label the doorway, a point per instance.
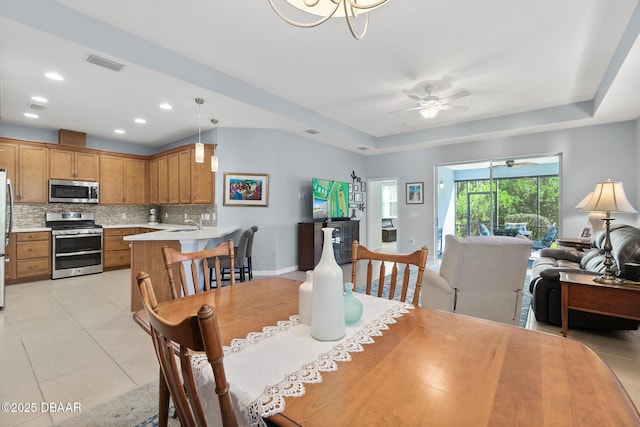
(383, 228)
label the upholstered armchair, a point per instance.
(480, 276)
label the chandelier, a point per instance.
(326, 9)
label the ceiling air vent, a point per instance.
(37, 107)
(106, 63)
(312, 131)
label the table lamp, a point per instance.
(608, 197)
(596, 219)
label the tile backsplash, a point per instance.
(27, 216)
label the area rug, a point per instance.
(137, 408)
(526, 295)
(526, 302)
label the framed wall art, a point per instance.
(415, 193)
(246, 189)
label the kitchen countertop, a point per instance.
(159, 227)
(183, 233)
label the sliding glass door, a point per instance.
(477, 198)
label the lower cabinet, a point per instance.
(29, 257)
(117, 253)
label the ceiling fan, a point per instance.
(514, 164)
(431, 105)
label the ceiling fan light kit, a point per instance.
(430, 105)
(320, 11)
(430, 111)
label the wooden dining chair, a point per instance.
(197, 265)
(195, 333)
(417, 259)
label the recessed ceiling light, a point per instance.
(54, 76)
(166, 106)
(31, 115)
(39, 99)
(120, 131)
(140, 120)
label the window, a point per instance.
(499, 194)
(389, 199)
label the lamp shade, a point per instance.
(608, 197)
(584, 201)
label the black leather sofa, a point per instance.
(545, 284)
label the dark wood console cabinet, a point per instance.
(310, 241)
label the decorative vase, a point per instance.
(327, 312)
(352, 306)
(305, 299)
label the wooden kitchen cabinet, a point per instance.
(202, 179)
(178, 179)
(173, 165)
(135, 181)
(117, 253)
(163, 180)
(32, 255)
(184, 177)
(123, 180)
(153, 181)
(73, 164)
(27, 167)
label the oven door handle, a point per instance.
(75, 236)
(78, 253)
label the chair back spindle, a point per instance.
(417, 259)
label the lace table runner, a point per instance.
(265, 367)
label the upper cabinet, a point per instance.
(73, 164)
(27, 167)
(202, 183)
(169, 178)
(123, 180)
(175, 177)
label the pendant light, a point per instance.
(214, 158)
(199, 144)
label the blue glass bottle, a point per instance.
(352, 306)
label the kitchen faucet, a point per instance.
(197, 224)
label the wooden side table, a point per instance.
(580, 243)
(580, 292)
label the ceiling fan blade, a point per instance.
(455, 96)
(414, 97)
(454, 107)
(406, 109)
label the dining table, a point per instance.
(401, 365)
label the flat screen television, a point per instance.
(330, 199)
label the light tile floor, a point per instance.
(73, 340)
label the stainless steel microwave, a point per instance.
(67, 191)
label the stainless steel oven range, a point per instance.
(76, 244)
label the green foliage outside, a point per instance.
(533, 200)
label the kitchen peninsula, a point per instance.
(146, 254)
